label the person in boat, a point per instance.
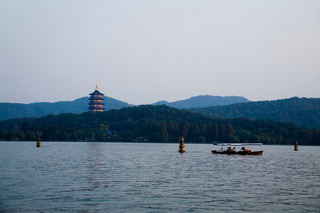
(245, 150)
(229, 150)
(234, 149)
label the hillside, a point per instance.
(204, 101)
(16, 110)
(154, 124)
(301, 111)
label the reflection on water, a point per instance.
(120, 177)
(95, 167)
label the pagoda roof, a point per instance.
(96, 92)
(95, 98)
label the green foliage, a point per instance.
(154, 124)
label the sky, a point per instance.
(144, 51)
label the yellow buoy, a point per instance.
(182, 146)
(296, 147)
(38, 142)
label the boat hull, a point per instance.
(237, 153)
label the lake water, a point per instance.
(142, 177)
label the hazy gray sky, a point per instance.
(143, 51)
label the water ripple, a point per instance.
(120, 177)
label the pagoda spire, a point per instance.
(97, 86)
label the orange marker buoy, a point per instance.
(182, 146)
(38, 142)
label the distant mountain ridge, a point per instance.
(17, 110)
(300, 111)
(204, 101)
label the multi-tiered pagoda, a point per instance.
(96, 101)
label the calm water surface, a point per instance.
(135, 177)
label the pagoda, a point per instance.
(96, 101)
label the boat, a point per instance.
(242, 151)
(238, 153)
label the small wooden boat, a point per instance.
(237, 153)
(232, 151)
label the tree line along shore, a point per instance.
(148, 123)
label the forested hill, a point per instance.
(15, 110)
(301, 111)
(204, 101)
(154, 124)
